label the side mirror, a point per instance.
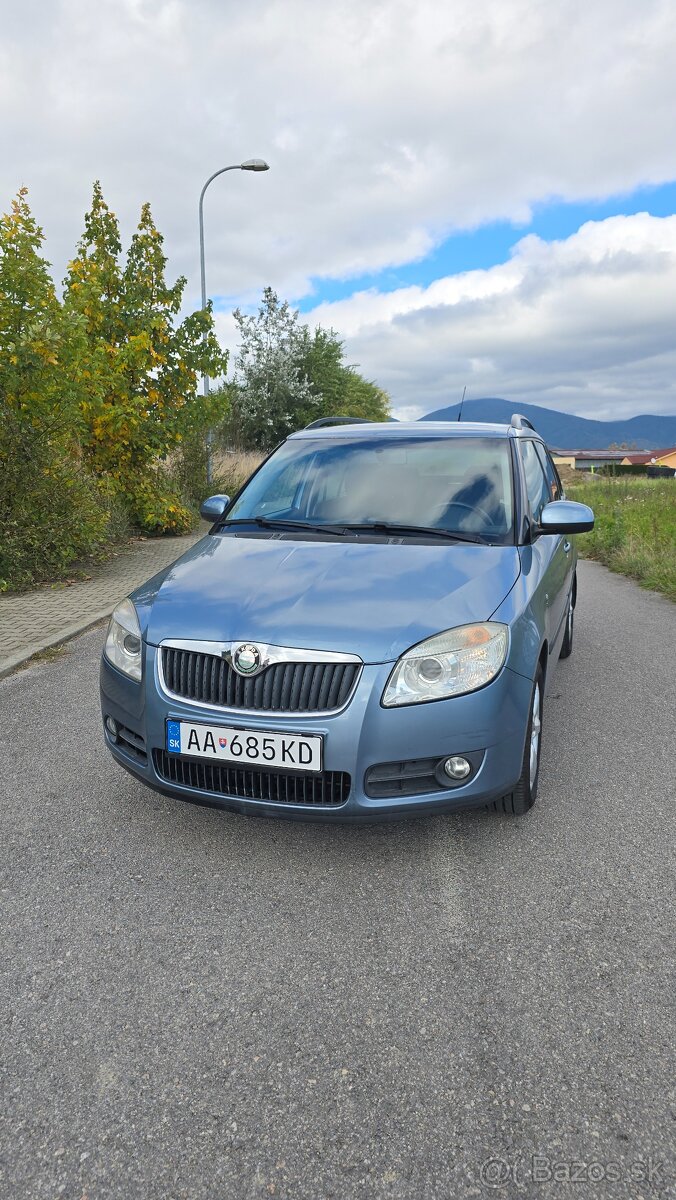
(566, 516)
(213, 508)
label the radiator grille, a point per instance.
(327, 788)
(283, 687)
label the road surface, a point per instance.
(205, 1006)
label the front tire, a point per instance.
(523, 797)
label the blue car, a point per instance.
(368, 630)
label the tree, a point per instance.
(269, 389)
(142, 364)
(286, 376)
(339, 388)
(50, 510)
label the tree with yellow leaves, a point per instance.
(51, 511)
(141, 362)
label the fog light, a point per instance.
(111, 726)
(457, 767)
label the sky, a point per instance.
(473, 193)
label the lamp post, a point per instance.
(251, 164)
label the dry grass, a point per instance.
(49, 655)
(568, 476)
(233, 468)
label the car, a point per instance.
(369, 629)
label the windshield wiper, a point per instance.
(271, 523)
(427, 530)
(384, 527)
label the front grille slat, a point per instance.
(268, 683)
(282, 687)
(326, 789)
(334, 690)
(315, 688)
(324, 689)
(278, 691)
(304, 692)
(296, 682)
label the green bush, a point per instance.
(53, 519)
(187, 471)
(620, 469)
(157, 508)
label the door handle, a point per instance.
(567, 546)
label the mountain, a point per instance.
(565, 431)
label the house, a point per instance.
(587, 460)
(651, 458)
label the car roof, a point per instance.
(408, 429)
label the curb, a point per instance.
(66, 634)
(138, 572)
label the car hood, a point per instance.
(374, 599)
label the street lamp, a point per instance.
(251, 164)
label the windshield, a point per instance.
(461, 484)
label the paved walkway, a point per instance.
(36, 620)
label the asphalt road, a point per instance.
(196, 1004)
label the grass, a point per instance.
(49, 655)
(635, 531)
(233, 468)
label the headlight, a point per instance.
(449, 664)
(123, 640)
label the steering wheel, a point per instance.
(470, 508)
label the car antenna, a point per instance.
(462, 401)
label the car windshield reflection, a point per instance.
(462, 485)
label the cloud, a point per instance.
(584, 325)
(387, 123)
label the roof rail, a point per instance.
(323, 421)
(519, 422)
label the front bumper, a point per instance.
(491, 722)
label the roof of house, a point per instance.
(641, 458)
(611, 455)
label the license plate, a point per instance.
(296, 752)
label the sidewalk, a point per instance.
(36, 620)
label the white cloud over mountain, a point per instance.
(589, 320)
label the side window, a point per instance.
(536, 482)
(555, 489)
